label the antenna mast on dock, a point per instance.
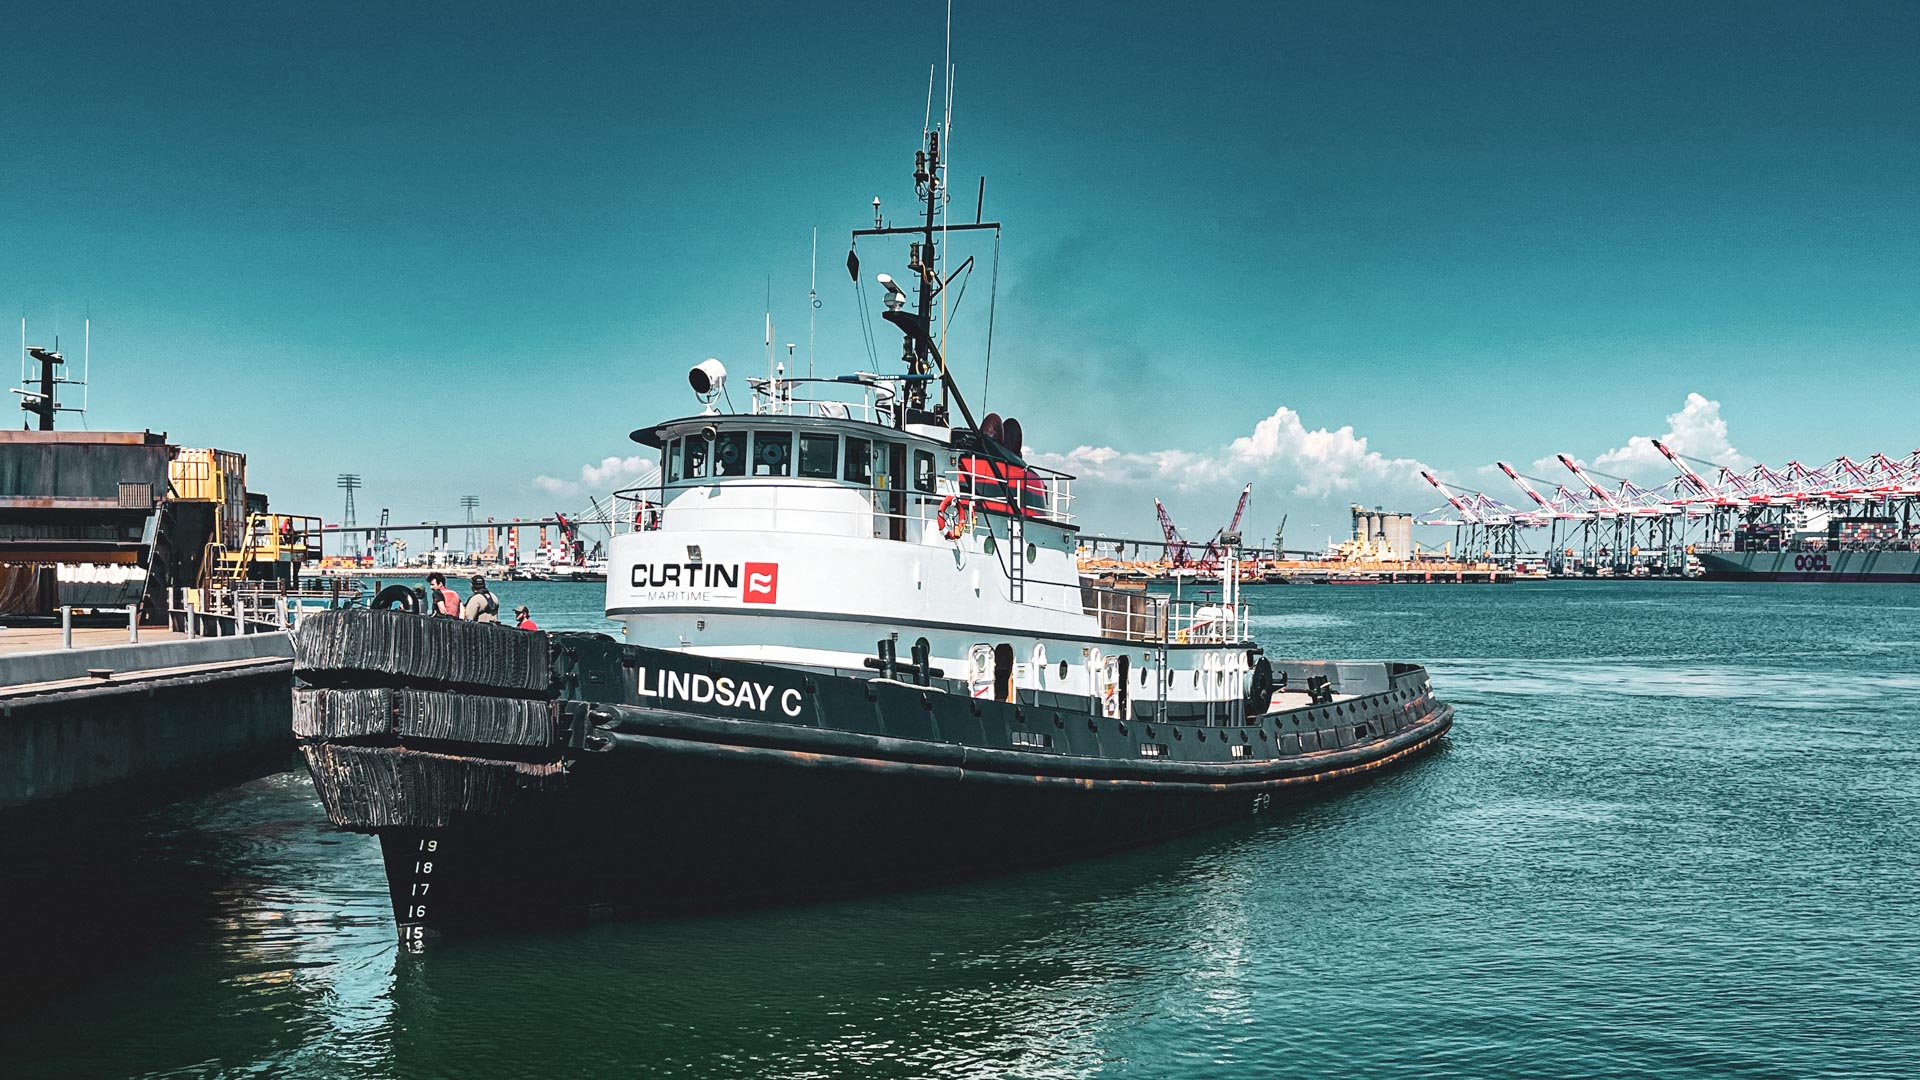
(40, 393)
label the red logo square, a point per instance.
(762, 584)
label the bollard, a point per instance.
(133, 624)
(66, 626)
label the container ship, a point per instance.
(1876, 548)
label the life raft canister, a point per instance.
(994, 484)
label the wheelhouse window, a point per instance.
(773, 453)
(730, 454)
(695, 454)
(923, 471)
(859, 461)
(817, 454)
(673, 462)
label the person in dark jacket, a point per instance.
(482, 606)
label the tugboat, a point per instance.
(859, 655)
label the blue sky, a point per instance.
(461, 248)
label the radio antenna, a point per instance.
(813, 298)
(927, 124)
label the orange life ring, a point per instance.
(962, 517)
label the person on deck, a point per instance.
(523, 618)
(482, 606)
(440, 599)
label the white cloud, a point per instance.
(1697, 430)
(1315, 463)
(601, 478)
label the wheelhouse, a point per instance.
(820, 472)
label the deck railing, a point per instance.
(644, 507)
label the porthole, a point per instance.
(1063, 669)
(1033, 552)
(1176, 735)
(989, 546)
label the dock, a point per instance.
(109, 718)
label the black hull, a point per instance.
(1736, 575)
(632, 781)
(657, 826)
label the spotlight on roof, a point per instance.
(707, 377)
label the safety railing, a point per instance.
(1131, 615)
(1046, 496)
(66, 622)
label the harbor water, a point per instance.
(1675, 833)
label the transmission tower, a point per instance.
(469, 503)
(349, 482)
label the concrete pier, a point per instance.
(109, 718)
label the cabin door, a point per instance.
(897, 491)
(1003, 672)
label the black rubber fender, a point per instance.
(399, 596)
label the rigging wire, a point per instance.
(993, 302)
(866, 324)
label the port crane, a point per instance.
(1175, 549)
(1178, 548)
(1483, 522)
(1216, 548)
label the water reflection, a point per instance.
(1660, 843)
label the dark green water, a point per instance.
(1676, 834)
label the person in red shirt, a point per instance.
(523, 619)
(440, 599)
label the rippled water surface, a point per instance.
(1676, 833)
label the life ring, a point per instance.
(962, 516)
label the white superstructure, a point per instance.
(806, 533)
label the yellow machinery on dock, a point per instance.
(245, 541)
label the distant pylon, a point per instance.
(349, 482)
(469, 503)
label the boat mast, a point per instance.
(923, 259)
(918, 351)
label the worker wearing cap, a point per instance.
(523, 619)
(482, 606)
